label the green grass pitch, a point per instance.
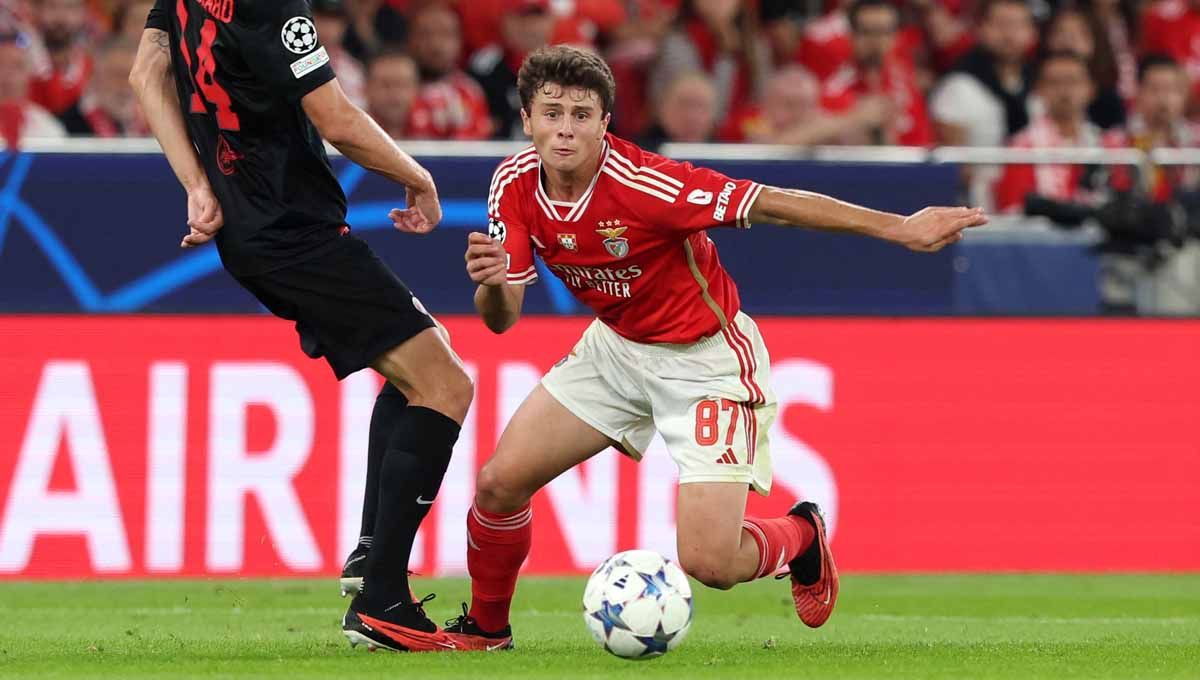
(1010, 626)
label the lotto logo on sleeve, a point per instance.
(299, 35)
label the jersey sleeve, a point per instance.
(507, 225)
(281, 46)
(157, 19)
(700, 198)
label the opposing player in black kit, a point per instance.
(239, 94)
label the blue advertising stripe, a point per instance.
(60, 257)
(15, 179)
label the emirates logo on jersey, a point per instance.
(612, 230)
(568, 241)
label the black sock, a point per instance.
(418, 454)
(389, 406)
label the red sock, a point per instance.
(497, 545)
(779, 541)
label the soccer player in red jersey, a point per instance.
(670, 350)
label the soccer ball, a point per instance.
(638, 605)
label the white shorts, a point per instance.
(711, 400)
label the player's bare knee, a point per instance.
(448, 391)
(712, 571)
(494, 493)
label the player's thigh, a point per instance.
(349, 307)
(543, 440)
(429, 373)
(709, 519)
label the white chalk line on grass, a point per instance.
(1054, 620)
(883, 618)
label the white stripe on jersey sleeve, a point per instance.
(743, 212)
(608, 170)
(643, 169)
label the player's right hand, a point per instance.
(487, 261)
(422, 214)
(932, 229)
(205, 218)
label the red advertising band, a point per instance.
(188, 446)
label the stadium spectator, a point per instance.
(984, 100)
(332, 24)
(525, 25)
(944, 34)
(875, 71)
(449, 104)
(1158, 120)
(20, 118)
(1072, 30)
(392, 86)
(686, 111)
(108, 107)
(721, 38)
(587, 23)
(1173, 27)
(373, 25)
(62, 25)
(1162, 255)
(1064, 85)
(826, 44)
(1117, 21)
(632, 54)
(781, 20)
(791, 113)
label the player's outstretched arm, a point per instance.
(497, 301)
(359, 138)
(928, 230)
(154, 86)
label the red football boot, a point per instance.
(402, 627)
(814, 575)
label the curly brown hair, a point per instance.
(566, 66)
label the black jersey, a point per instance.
(241, 68)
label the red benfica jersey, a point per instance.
(633, 247)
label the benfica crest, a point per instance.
(611, 230)
(568, 241)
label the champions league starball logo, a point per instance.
(299, 35)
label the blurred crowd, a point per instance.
(1034, 73)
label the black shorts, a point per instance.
(347, 305)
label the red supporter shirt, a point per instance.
(453, 107)
(633, 248)
(826, 46)
(911, 127)
(1173, 27)
(57, 91)
(1164, 181)
(1058, 182)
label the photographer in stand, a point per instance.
(1150, 257)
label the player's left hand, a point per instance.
(205, 218)
(422, 214)
(932, 229)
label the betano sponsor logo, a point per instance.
(723, 201)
